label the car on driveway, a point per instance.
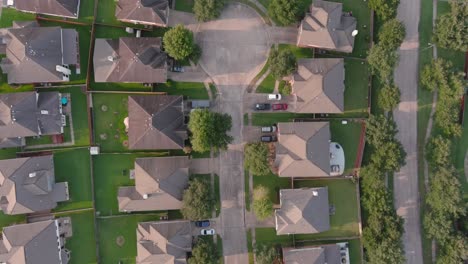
(207, 232)
(279, 106)
(204, 223)
(268, 129)
(268, 139)
(275, 97)
(262, 107)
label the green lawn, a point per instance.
(73, 166)
(120, 227)
(217, 194)
(342, 195)
(106, 12)
(184, 5)
(460, 150)
(356, 88)
(273, 183)
(9, 15)
(247, 190)
(8, 220)
(86, 11)
(268, 119)
(250, 246)
(82, 244)
(8, 153)
(348, 137)
(109, 129)
(298, 52)
(190, 90)
(267, 85)
(268, 236)
(219, 247)
(111, 171)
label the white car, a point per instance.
(207, 232)
(275, 97)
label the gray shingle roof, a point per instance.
(319, 86)
(32, 52)
(36, 242)
(303, 211)
(135, 60)
(324, 254)
(153, 12)
(327, 27)
(29, 114)
(165, 242)
(63, 8)
(28, 185)
(303, 149)
(156, 122)
(162, 180)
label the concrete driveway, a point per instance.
(235, 48)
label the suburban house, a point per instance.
(130, 60)
(27, 185)
(61, 8)
(159, 185)
(327, 27)
(36, 243)
(147, 12)
(302, 149)
(29, 114)
(156, 122)
(323, 254)
(318, 86)
(303, 211)
(38, 54)
(163, 242)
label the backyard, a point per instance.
(273, 183)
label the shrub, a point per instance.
(284, 12)
(208, 9)
(262, 206)
(282, 63)
(256, 158)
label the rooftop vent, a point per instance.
(314, 193)
(32, 174)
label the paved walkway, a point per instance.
(235, 47)
(406, 192)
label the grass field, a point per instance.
(189, 90)
(106, 12)
(356, 88)
(348, 137)
(111, 171)
(120, 227)
(250, 246)
(74, 167)
(273, 183)
(342, 195)
(86, 11)
(267, 85)
(82, 244)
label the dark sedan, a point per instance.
(204, 223)
(262, 107)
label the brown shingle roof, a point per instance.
(319, 86)
(153, 12)
(303, 149)
(32, 52)
(161, 180)
(135, 60)
(156, 122)
(63, 8)
(325, 254)
(327, 27)
(165, 242)
(303, 211)
(28, 185)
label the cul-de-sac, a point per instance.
(233, 131)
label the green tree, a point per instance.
(209, 129)
(282, 63)
(451, 29)
(454, 251)
(208, 9)
(256, 158)
(178, 42)
(438, 151)
(380, 129)
(389, 97)
(284, 12)
(284, 88)
(265, 254)
(384, 9)
(382, 61)
(197, 202)
(262, 205)
(204, 252)
(391, 34)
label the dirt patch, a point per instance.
(120, 241)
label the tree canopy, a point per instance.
(265, 254)
(262, 205)
(284, 12)
(282, 63)
(389, 97)
(178, 42)
(384, 9)
(209, 129)
(382, 61)
(204, 252)
(208, 9)
(256, 158)
(391, 34)
(197, 201)
(451, 29)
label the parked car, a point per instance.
(261, 107)
(279, 106)
(269, 129)
(268, 139)
(204, 223)
(178, 68)
(276, 97)
(207, 232)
